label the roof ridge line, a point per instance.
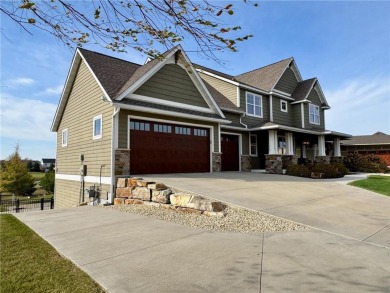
(109, 56)
(291, 58)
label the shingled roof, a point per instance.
(220, 99)
(374, 139)
(303, 89)
(112, 73)
(265, 77)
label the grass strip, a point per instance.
(30, 264)
(376, 183)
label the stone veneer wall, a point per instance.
(274, 164)
(337, 160)
(246, 163)
(321, 160)
(122, 162)
(288, 160)
(217, 162)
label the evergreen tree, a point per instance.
(47, 182)
(15, 177)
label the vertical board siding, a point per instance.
(172, 83)
(288, 82)
(315, 100)
(280, 117)
(124, 129)
(227, 89)
(83, 104)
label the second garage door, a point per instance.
(167, 148)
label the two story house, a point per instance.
(116, 118)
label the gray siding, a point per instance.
(287, 82)
(227, 89)
(296, 115)
(280, 117)
(314, 98)
(251, 120)
(235, 118)
(83, 104)
(172, 83)
(123, 125)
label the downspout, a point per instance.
(242, 116)
(113, 146)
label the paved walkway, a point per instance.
(131, 253)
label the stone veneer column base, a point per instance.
(339, 160)
(122, 162)
(288, 160)
(246, 163)
(216, 157)
(274, 164)
(322, 160)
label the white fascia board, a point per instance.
(282, 95)
(87, 179)
(302, 101)
(234, 128)
(293, 129)
(170, 113)
(295, 69)
(66, 90)
(251, 88)
(169, 103)
(97, 80)
(317, 87)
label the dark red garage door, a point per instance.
(167, 148)
(230, 152)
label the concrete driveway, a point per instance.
(131, 253)
(329, 205)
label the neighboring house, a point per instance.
(47, 163)
(377, 143)
(117, 118)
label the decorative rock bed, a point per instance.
(138, 191)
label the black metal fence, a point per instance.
(25, 205)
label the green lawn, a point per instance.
(29, 264)
(37, 175)
(376, 183)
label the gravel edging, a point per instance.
(236, 219)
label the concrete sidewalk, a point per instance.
(130, 253)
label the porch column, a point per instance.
(289, 144)
(321, 146)
(272, 142)
(336, 147)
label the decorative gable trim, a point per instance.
(174, 58)
(320, 93)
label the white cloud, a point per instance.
(51, 91)
(26, 119)
(360, 106)
(19, 81)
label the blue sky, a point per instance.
(345, 44)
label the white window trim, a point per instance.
(281, 106)
(250, 145)
(62, 137)
(260, 105)
(101, 127)
(319, 119)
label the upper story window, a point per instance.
(253, 146)
(97, 127)
(64, 140)
(283, 106)
(254, 105)
(314, 114)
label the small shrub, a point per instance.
(298, 170)
(370, 163)
(328, 170)
(341, 168)
(353, 161)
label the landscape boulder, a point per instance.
(141, 193)
(161, 196)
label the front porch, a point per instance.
(280, 148)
